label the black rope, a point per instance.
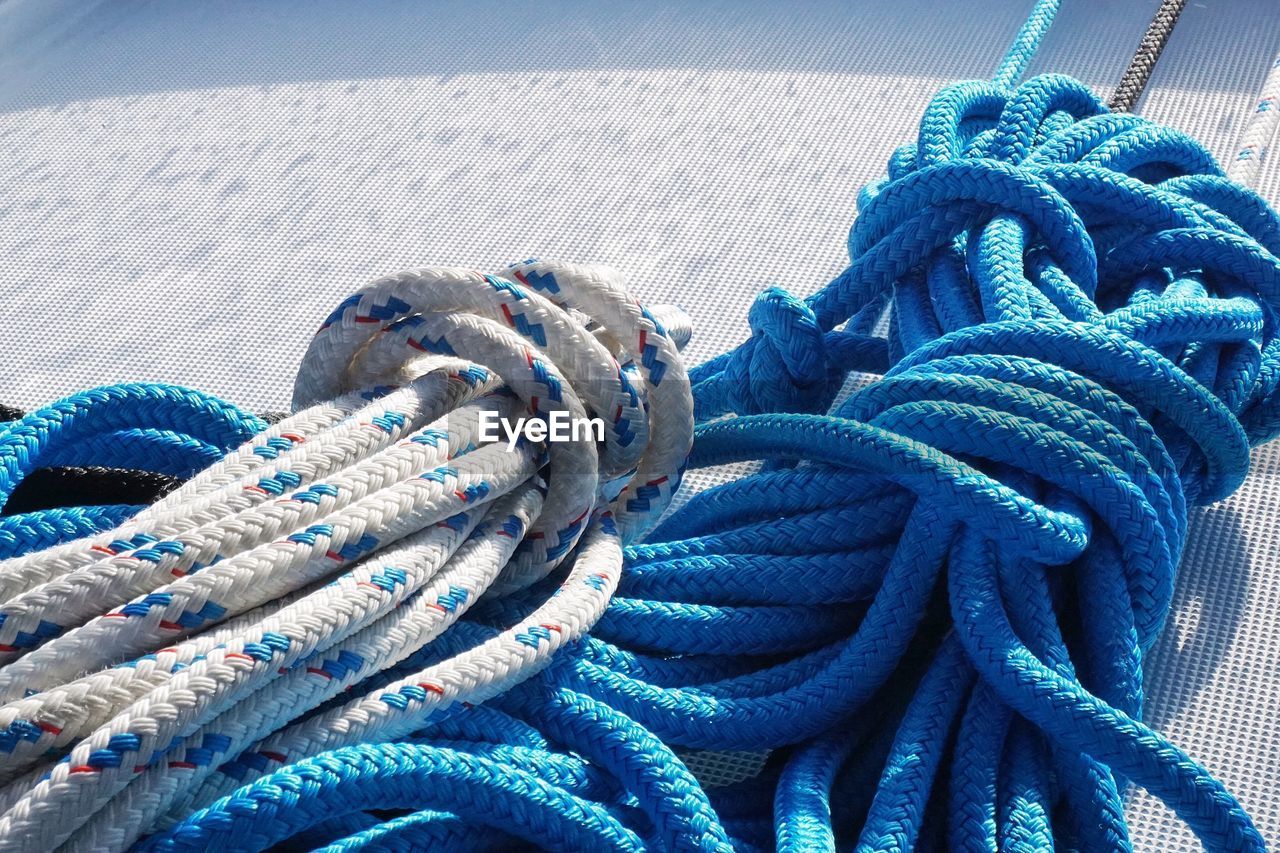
(1138, 74)
(50, 488)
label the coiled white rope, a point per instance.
(138, 662)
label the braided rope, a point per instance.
(933, 601)
(163, 429)
(153, 653)
(50, 488)
(1255, 142)
(1145, 398)
(983, 542)
(1138, 73)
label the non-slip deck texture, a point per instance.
(186, 191)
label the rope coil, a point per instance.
(1082, 343)
(1083, 336)
(210, 586)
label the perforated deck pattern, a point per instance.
(186, 190)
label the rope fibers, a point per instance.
(1255, 143)
(932, 602)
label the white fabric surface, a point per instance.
(186, 190)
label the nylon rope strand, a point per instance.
(52, 488)
(96, 485)
(933, 602)
(979, 344)
(151, 653)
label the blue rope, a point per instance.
(1026, 43)
(483, 790)
(32, 531)
(149, 427)
(934, 601)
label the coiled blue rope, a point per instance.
(144, 426)
(935, 601)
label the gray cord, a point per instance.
(1135, 77)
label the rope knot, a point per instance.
(552, 339)
(1079, 315)
(785, 368)
(1022, 210)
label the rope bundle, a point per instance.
(933, 603)
(1083, 344)
(148, 656)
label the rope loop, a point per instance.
(785, 366)
(558, 336)
(163, 429)
(1040, 206)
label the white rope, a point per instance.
(205, 627)
(1260, 132)
(383, 643)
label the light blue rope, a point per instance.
(145, 426)
(1026, 43)
(31, 531)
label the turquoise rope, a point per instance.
(1026, 43)
(145, 426)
